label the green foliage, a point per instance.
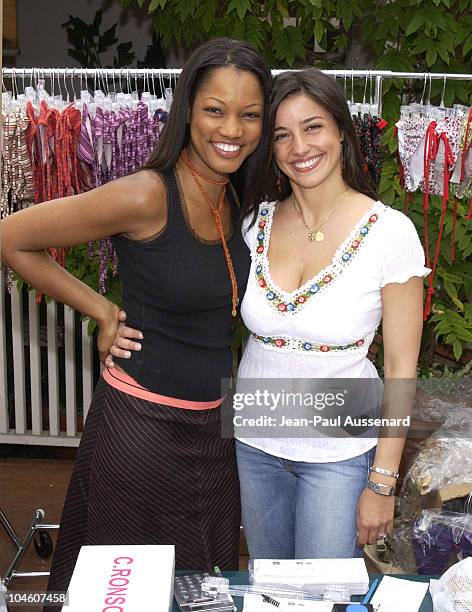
(80, 265)
(400, 35)
(403, 34)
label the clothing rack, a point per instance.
(173, 73)
(141, 72)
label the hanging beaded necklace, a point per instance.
(216, 210)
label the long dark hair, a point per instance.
(324, 90)
(208, 57)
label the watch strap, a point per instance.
(380, 489)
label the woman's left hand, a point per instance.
(374, 517)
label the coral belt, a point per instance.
(124, 382)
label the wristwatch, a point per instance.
(380, 489)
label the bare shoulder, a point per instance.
(146, 189)
(360, 203)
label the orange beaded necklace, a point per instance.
(216, 210)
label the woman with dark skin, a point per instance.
(152, 466)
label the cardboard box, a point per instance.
(435, 499)
(122, 579)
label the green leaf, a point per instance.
(155, 4)
(451, 277)
(91, 326)
(423, 43)
(125, 3)
(240, 6)
(436, 18)
(442, 50)
(206, 14)
(451, 290)
(468, 46)
(369, 28)
(288, 45)
(250, 29)
(345, 13)
(461, 34)
(415, 23)
(282, 7)
(465, 335)
(185, 9)
(319, 31)
(394, 60)
(342, 41)
(457, 349)
(453, 318)
(431, 57)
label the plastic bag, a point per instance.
(453, 591)
(443, 459)
(427, 545)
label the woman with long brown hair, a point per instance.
(329, 262)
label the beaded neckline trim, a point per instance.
(285, 302)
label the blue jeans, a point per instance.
(299, 510)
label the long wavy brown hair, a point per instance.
(324, 90)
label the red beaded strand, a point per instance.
(216, 210)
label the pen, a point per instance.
(370, 592)
(270, 600)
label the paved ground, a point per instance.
(25, 485)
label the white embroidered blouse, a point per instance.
(324, 328)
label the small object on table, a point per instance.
(190, 597)
(370, 592)
(395, 594)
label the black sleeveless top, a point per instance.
(176, 289)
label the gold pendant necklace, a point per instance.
(314, 233)
(316, 236)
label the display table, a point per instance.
(242, 578)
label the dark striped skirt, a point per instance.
(146, 473)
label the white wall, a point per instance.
(43, 42)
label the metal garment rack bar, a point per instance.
(172, 72)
